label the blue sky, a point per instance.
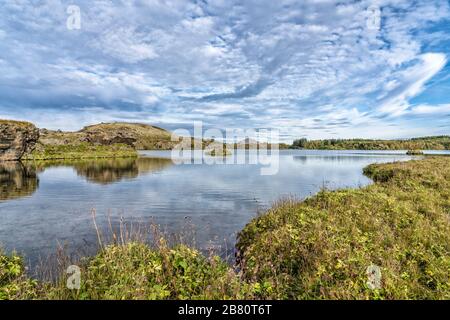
(312, 68)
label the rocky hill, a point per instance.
(137, 135)
(16, 138)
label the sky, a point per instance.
(312, 68)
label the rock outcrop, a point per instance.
(16, 138)
(108, 137)
(137, 135)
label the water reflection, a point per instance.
(351, 158)
(17, 180)
(21, 179)
(149, 165)
(107, 171)
(114, 170)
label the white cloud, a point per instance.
(412, 81)
(124, 44)
(425, 109)
(250, 63)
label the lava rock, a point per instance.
(16, 138)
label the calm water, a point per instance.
(46, 204)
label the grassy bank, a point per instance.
(133, 271)
(316, 249)
(139, 136)
(82, 150)
(322, 247)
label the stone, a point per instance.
(16, 138)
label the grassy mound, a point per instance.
(414, 152)
(321, 248)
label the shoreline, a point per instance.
(282, 244)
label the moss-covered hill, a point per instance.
(140, 136)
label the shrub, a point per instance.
(13, 282)
(136, 271)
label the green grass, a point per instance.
(81, 150)
(16, 123)
(319, 248)
(133, 271)
(14, 284)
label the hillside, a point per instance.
(139, 136)
(104, 140)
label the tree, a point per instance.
(300, 143)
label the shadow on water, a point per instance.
(17, 180)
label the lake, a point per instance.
(48, 204)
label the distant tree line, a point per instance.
(423, 143)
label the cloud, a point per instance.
(443, 109)
(124, 44)
(410, 82)
(311, 68)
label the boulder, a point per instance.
(16, 138)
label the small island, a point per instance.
(218, 153)
(415, 153)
